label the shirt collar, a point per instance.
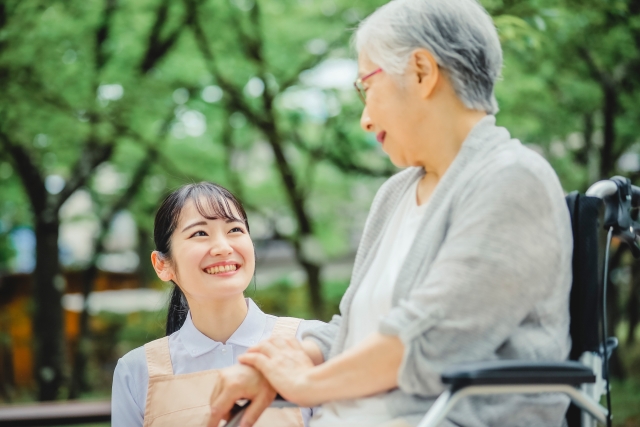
(248, 333)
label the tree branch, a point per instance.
(157, 47)
(234, 96)
(29, 173)
(102, 34)
(93, 154)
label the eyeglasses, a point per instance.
(360, 86)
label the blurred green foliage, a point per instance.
(176, 91)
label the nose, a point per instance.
(365, 121)
(220, 247)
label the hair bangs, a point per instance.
(212, 203)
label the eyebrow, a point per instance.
(195, 224)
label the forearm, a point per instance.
(369, 368)
(313, 351)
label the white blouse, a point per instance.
(191, 351)
(371, 303)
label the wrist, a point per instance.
(315, 387)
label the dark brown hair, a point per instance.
(212, 202)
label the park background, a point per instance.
(106, 105)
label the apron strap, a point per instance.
(286, 327)
(158, 358)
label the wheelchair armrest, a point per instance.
(516, 372)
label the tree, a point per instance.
(85, 127)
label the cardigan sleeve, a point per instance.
(324, 335)
(502, 254)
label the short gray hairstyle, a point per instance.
(460, 35)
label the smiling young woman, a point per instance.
(203, 247)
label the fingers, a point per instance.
(261, 402)
(294, 344)
(219, 411)
(257, 360)
(272, 345)
(265, 347)
(221, 404)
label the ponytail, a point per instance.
(178, 310)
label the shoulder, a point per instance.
(511, 165)
(133, 363)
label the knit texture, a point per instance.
(487, 277)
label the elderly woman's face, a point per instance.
(391, 112)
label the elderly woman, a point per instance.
(465, 255)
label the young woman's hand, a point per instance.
(286, 366)
(240, 382)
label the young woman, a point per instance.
(203, 247)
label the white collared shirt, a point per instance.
(191, 351)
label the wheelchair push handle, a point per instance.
(621, 201)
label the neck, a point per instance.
(218, 319)
(447, 130)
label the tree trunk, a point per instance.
(48, 327)
(145, 246)
(305, 228)
(78, 374)
(610, 110)
(315, 288)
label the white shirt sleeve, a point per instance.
(125, 410)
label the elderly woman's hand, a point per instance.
(286, 366)
(240, 382)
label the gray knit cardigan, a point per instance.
(487, 277)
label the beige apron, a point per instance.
(183, 400)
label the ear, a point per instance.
(162, 267)
(424, 71)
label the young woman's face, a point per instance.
(211, 259)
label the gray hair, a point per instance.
(460, 35)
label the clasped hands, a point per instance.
(274, 366)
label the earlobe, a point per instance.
(162, 267)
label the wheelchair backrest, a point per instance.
(584, 307)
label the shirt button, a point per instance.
(224, 350)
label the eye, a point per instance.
(237, 230)
(199, 233)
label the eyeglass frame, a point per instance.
(358, 84)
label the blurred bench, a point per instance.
(55, 414)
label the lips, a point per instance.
(380, 136)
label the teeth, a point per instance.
(222, 269)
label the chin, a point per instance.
(399, 163)
(223, 290)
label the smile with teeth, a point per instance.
(221, 269)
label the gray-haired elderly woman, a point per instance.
(465, 255)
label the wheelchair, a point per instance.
(584, 378)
